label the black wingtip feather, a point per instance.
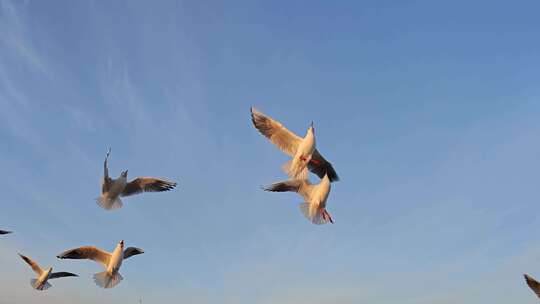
(23, 257)
(165, 186)
(279, 187)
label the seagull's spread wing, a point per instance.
(62, 274)
(4, 232)
(286, 186)
(303, 187)
(88, 253)
(320, 166)
(131, 251)
(106, 183)
(147, 184)
(35, 267)
(288, 142)
(533, 284)
(280, 136)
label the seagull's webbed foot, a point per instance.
(326, 216)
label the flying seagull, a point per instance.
(533, 284)
(113, 189)
(4, 232)
(110, 260)
(41, 283)
(315, 196)
(302, 150)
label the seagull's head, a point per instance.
(121, 244)
(124, 173)
(311, 128)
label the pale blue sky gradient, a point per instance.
(428, 109)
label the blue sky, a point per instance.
(429, 112)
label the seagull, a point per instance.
(533, 284)
(41, 283)
(302, 150)
(4, 232)
(315, 196)
(110, 260)
(113, 189)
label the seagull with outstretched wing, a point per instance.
(315, 197)
(302, 150)
(43, 276)
(113, 189)
(111, 261)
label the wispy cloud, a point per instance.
(14, 34)
(18, 51)
(122, 96)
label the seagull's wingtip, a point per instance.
(254, 111)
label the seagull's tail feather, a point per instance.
(105, 280)
(312, 213)
(35, 284)
(296, 168)
(109, 204)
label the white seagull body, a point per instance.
(315, 196)
(111, 261)
(43, 276)
(302, 150)
(113, 189)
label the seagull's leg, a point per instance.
(326, 216)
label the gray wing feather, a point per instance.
(131, 251)
(87, 252)
(106, 179)
(35, 267)
(286, 186)
(147, 184)
(302, 187)
(280, 136)
(62, 274)
(533, 284)
(320, 166)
